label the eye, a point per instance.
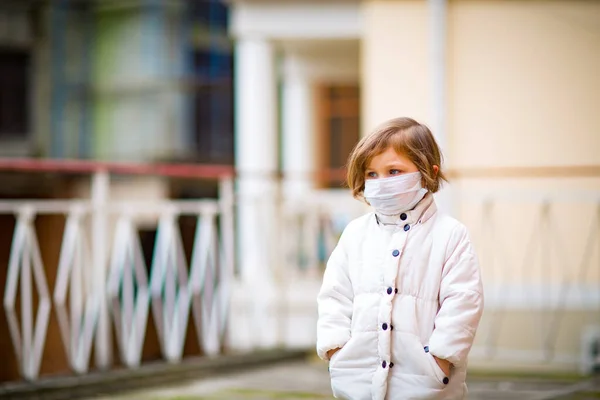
(371, 175)
(395, 171)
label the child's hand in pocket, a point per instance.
(443, 364)
(331, 352)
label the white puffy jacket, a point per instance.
(392, 298)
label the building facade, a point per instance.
(510, 89)
(88, 82)
(282, 90)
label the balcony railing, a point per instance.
(537, 234)
(102, 279)
(538, 246)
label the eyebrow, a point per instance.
(395, 164)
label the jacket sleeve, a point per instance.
(334, 303)
(461, 302)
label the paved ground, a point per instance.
(310, 380)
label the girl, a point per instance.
(401, 297)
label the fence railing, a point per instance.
(539, 251)
(103, 281)
(311, 227)
(168, 292)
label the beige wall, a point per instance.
(395, 61)
(524, 82)
(523, 90)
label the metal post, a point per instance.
(27, 307)
(100, 195)
(227, 239)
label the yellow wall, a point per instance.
(524, 80)
(523, 77)
(523, 89)
(395, 61)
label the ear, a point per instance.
(436, 169)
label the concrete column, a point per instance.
(299, 158)
(298, 164)
(438, 34)
(100, 189)
(256, 163)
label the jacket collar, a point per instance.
(424, 210)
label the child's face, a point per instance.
(389, 163)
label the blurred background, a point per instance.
(171, 182)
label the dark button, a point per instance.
(391, 365)
(395, 253)
(406, 227)
(396, 290)
(391, 327)
(426, 348)
(403, 216)
(389, 291)
(384, 326)
(446, 380)
(383, 364)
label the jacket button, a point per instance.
(395, 253)
(403, 216)
(391, 365)
(389, 291)
(391, 327)
(446, 380)
(406, 227)
(396, 290)
(383, 364)
(384, 326)
(426, 348)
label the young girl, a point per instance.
(402, 296)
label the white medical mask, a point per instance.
(391, 196)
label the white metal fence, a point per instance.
(540, 257)
(310, 230)
(87, 297)
(539, 251)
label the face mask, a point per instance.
(391, 196)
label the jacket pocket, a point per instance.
(351, 368)
(335, 358)
(416, 360)
(437, 371)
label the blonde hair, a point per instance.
(407, 137)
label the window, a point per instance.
(213, 12)
(213, 106)
(339, 124)
(14, 93)
(213, 96)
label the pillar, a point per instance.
(438, 36)
(100, 189)
(298, 147)
(256, 163)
